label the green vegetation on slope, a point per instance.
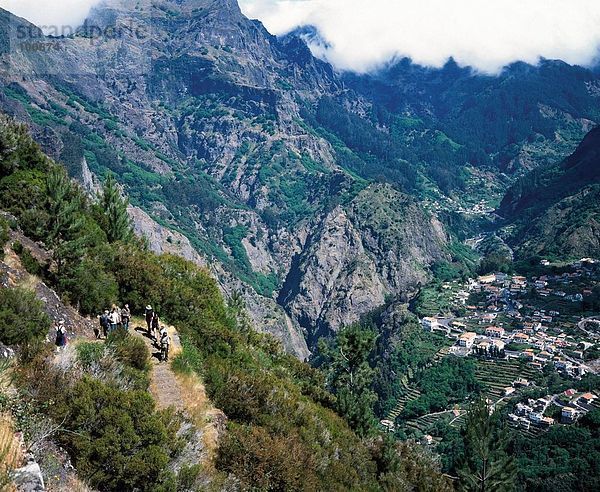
(117, 441)
(555, 208)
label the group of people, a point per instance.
(116, 317)
(112, 319)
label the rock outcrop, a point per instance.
(377, 247)
(200, 113)
(29, 478)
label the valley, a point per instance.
(252, 148)
(357, 263)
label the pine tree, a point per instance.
(350, 375)
(488, 466)
(66, 222)
(118, 223)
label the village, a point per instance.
(545, 322)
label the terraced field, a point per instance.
(411, 393)
(424, 422)
(496, 375)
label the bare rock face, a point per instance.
(29, 478)
(378, 246)
(163, 240)
(337, 277)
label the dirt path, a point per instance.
(184, 392)
(164, 385)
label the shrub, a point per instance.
(187, 477)
(188, 360)
(89, 286)
(261, 461)
(130, 350)
(22, 319)
(27, 259)
(116, 439)
(89, 353)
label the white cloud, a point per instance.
(363, 34)
(486, 34)
(54, 16)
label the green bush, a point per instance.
(262, 461)
(116, 439)
(130, 350)
(22, 318)
(89, 286)
(89, 353)
(187, 477)
(27, 259)
(188, 360)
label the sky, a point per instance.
(486, 34)
(49, 13)
(362, 35)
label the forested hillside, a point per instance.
(283, 432)
(556, 208)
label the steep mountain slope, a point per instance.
(206, 120)
(556, 208)
(89, 406)
(519, 119)
(261, 156)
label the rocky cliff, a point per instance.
(201, 115)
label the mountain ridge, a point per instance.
(247, 144)
(555, 207)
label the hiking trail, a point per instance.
(184, 392)
(164, 385)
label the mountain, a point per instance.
(317, 196)
(556, 208)
(230, 410)
(201, 115)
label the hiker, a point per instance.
(165, 343)
(149, 316)
(117, 310)
(105, 323)
(61, 335)
(155, 327)
(126, 316)
(114, 319)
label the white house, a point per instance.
(467, 339)
(494, 332)
(430, 324)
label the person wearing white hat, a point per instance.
(149, 318)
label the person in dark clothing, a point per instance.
(125, 317)
(149, 317)
(165, 344)
(104, 323)
(155, 327)
(61, 335)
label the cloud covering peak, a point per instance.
(362, 35)
(485, 34)
(52, 15)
